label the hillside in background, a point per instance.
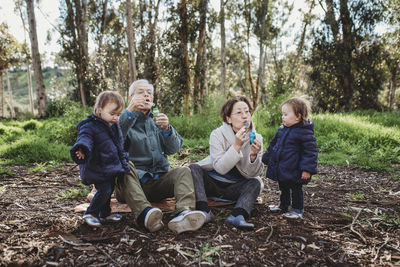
(56, 81)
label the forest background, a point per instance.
(342, 55)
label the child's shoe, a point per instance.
(91, 220)
(187, 220)
(293, 215)
(112, 218)
(239, 222)
(274, 208)
(209, 216)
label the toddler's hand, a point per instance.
(79, 154)
(305, 175)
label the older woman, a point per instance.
(232, 169)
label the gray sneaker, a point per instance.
(153, 220)
(187, 220)
(209, 216)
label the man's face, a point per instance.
(144, 92)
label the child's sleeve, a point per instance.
(309, 157)
(267, 154)
(84, 142)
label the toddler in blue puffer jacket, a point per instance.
(292, 156)
(99, 151)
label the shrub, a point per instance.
(31, 149)
(30, 125)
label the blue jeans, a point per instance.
(291, 194)
(100, 204)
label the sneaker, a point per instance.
(187, 220)
(293, 215)
(112, 218)
(91, 220)
(209, 216)
(239, 222)
(153, 220)
(274, 208)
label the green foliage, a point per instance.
(388, 220)
(30, 149)
(347, 215)
(30, 125)
(205, 254)
(345, 139)
(74, 193)
(359, 196)
(4, 172)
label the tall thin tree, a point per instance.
(223, 41)
(185, 55)
(37, 64)
(131, 42)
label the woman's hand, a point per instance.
(162, 121)
(255, 148)
(240, 137)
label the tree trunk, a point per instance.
(330, 18)
(261, 63)
(185, 57)
(393, 84)
(10, 97)
(200, 68)
(37, 65)
(131, 42)
(223, 45)
(2, 93)
(253, 88)
(28, 69)
(348, 47)
(151, 68)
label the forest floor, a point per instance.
(352, 218)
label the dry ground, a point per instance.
(352, 218)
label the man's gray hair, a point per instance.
(139, 82)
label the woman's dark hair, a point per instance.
(226, 109)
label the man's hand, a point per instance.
(138, 103)
(162, 121)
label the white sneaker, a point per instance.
(293, 215)
(187, 220)
(153, 220)
(274, 208)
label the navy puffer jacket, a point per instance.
(103, 147)
(292, 150)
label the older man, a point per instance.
(149, 140)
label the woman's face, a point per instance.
(239, 116)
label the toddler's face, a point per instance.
(110, 113)
(288, 116)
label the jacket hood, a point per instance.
(307, 124)
(90, 118)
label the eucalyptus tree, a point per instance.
(74, 41)
(37, 64)
(345, 71)
(131, 42)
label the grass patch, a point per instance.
(205, 253)
(31, 149)
(359, 196)
(74, 193)
(4, 172)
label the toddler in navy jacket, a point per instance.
(292, 156)
(99, 151)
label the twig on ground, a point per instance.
(137, 231)
(270, 233)
(216, 233)
(108, 256)
(384, 244)
(72, 243)
(354, 231)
